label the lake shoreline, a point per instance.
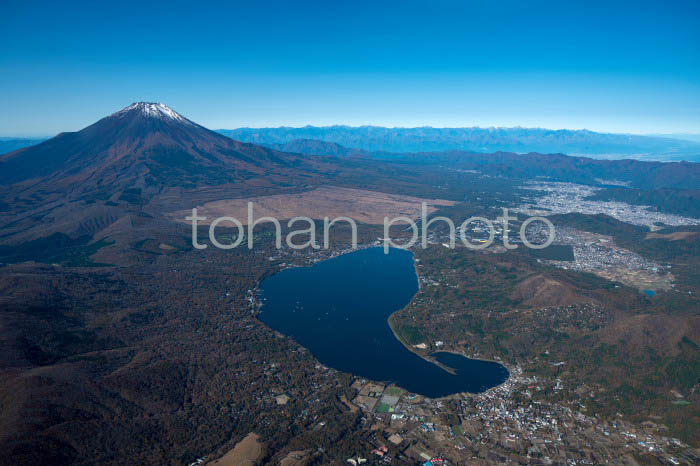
(339, 310)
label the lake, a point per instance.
(338, 309)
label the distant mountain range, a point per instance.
(486, 140)
(365, 140)
(316, 147)
(648, 175)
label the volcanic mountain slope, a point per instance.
(79, 183)
(147, 143)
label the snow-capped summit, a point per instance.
(153, 110)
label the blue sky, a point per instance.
(629, 67)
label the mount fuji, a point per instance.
(146, 144)
(139, 161)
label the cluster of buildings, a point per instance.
(509, 424)
(599, 254)
(563, 198)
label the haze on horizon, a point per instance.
(625, 68)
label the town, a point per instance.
(509, 424)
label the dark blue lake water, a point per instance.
(338, 309)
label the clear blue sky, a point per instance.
(630, 67)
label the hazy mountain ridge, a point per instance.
(519, 140)
(562, 167)
(317, 147)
